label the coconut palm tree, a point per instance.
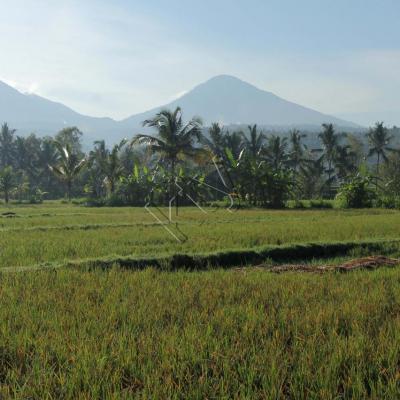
(275, 152)
(6, 145)
(311, 177)
(70, 135)
(254, 142)
(379, 140)
(112, 167)
(174, 142)
(69, 165)
(234, 142)
(344, 161)
(224, 148)
(330, 141)
(7, 182)
(47, 155)
(297, 149)
(99, 152)
(216, 141)
(297, 155)
(96, 162)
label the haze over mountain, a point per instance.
(231, 101)
(223, 99)
(31, 113)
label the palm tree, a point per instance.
(174, 141)
(6, 145)
(345, 161)
(72, 136)
(99, 153)
(23, 158)
(255, 142)
(7, 182)
(310, 177)
(330, 142)
(234, 142)
(275, 152)
(96, 162)
(69, 165)
(379, 140)
(224, 149)
(245, 154)
(47, 155)
(297, 149)
(216, 142)
(356, 145)
(297, 156)
(113, 169)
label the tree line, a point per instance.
(193, 164)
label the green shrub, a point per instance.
(356, 192)
(94, 202)
(392, 202)
(295, 204)
(115, 201)
(321, 203)
(78, 202)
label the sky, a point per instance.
(117, 58)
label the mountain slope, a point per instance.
(223, 99)
(229, 100)
(31, 113)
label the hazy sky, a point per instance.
(116, 58)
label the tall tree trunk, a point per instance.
(176, 195)
(377, 170)
(69, 186)
(295, 182)
(6, 198)
(329, 177)
(172, 187)
(112, 186)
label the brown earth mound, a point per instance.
(372, 262)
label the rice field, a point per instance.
(241, 333)
(69, 334)
(57, 232)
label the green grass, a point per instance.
(58, 233)
(77, 331)
(222, 334)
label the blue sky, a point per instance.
(118, 58)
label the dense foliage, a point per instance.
(189, 163)
(357, 192)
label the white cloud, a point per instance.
(178, 95)
(22, 86)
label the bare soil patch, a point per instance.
(369, 263)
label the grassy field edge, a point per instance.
(233, 258)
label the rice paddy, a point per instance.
(55, 232)
(220, 334)
(81, 333)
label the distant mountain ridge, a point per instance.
(31, 113)
(223, 99)
(231, 101)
